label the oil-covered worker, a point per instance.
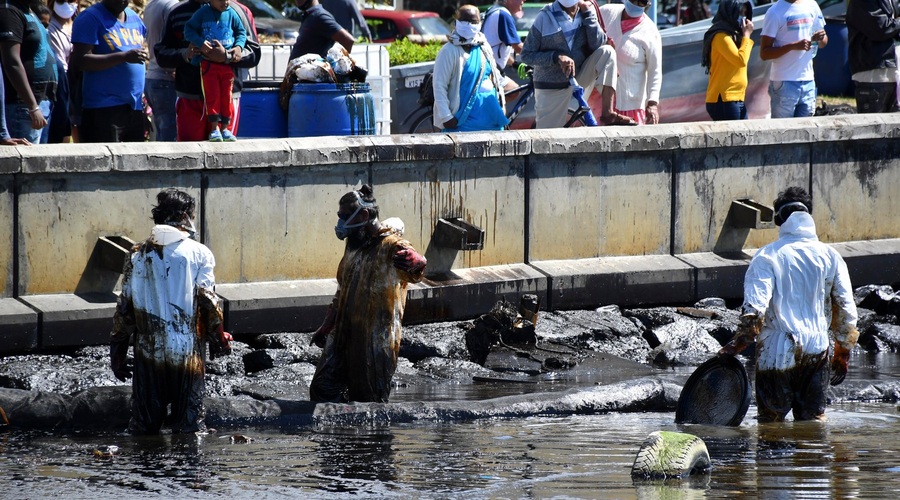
(167, 311)
(361, 331)
(797, 299)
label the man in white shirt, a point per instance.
(797, 299)
(499, 27)
(792, 32)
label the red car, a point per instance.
(419, 27)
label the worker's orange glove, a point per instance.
(746, 334)
(409, 260)
(840, 363)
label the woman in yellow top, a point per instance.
(726, 51)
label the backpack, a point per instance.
(426, 90)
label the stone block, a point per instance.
(10, 160)
(60, 158)
(246, 154)
(68, 320)
(330, 150)
(717, 275)
(18, 327)
(871, 262)
(156, 156)
(472, 292)
(277, 306)
(424, 147)
(490, 144)
(625, 281)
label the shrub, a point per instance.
(406, 52)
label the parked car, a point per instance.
(271, 23)
(418, 26)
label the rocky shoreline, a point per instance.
(621, 360)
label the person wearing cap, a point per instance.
(797, 300)
(360, 335)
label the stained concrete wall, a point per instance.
(579, 217)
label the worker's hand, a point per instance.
(735, 347)
(803, 45)
(15, 142)
(583, 6)
(652, 113)
(221, 344)
(189, 52)
(37, 119)
(747, 27)
(818, 36)
(567, 65)
(451, 123)
(319, 337)
(409, 260)
(137, 56)
(216, 53)
(237, 53)
(122, 366)
(840, 364)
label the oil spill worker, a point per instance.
(361, 331)
(796, 290)
(167, 311)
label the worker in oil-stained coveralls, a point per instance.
(796, 290)
(361, 330)
(167, 311)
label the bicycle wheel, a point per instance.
(575, 118)
(423, 124)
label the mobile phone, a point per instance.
(741, 20)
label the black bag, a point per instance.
(426, 90)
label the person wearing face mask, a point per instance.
(468, 93)
(639, 54)
(167, 312)
(59, 33)
(318, 31)
(798, 299)
(565, 41)
(726, 52)
(360, 335)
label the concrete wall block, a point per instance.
(717, 276)
(871, 262)
(61, 158)
(277, 225)
(294, 306)
(487, 144)
(792, 131)
(156, 156)
(7, 251)
(584, 206)
(330, 150)
(853, 127)
(404, 148)
(488, 194)
(854, 190)
(246, 154)
(472, 292)
(68, 320)
(62, 215)
(10, 160)
(708, 180)
(626, 281)
(18, 327)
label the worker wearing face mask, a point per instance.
(468, 88)
(167, 312)
(361, 331)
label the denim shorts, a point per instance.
(792, 99)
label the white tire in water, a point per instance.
(667, 454)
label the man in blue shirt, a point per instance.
(108, 41)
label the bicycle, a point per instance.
(422, 119)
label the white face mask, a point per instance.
(466, 29)
(632, 10)
(568, 3)
(65, 10)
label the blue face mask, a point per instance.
(342, 230)
(632, 10)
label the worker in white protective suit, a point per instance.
(360, 335)
(796, 291)
(167, 311)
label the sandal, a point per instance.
(617, 119)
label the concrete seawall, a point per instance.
(582, 217)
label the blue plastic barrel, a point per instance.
(832, 65)
(261, 116)
(318, 109)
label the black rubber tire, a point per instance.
(666, 455)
